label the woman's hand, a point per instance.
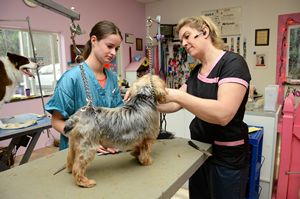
(127, 96)
(171, 105)
(103, 150)
(172, 94)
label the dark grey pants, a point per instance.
(217, 182)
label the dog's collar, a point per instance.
(89, 106)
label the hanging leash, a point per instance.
(76, 30)
(149, 45)
(164, 134)
(89, 98)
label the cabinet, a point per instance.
(256, 161)
(268, 120)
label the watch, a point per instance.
(30, 3)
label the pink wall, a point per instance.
(128, 15)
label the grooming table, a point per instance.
(118, 176)
(23, 136)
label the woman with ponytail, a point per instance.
(69, 95)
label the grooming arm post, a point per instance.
(55, 7)
(164, 134)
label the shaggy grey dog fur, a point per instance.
(134, 126)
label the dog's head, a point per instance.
(21, 63)
(159, 87)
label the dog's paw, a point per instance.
(87, 183)
(146, 161)
(69, 170)
(135, 153)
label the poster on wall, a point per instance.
(232, 43)
(227, 20)
(260, 60)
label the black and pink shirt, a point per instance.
(230, 142)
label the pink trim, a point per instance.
(217, 60)
(232, 143)
(234, 80)
(202, 77)
(208, 80)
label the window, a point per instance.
(293, 63)
(47, 47)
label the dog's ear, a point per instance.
(160, 89)
(161, 95)
(12, 57)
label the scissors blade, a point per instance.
(198, 148)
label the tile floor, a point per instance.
(180, 194)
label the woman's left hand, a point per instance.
(172, 94)
(103, 150)
(127, 96)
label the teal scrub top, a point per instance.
(69, 94)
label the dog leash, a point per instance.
(89, 98)
(149, 48)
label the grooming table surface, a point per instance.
(118, 176)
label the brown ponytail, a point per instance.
(87, 49)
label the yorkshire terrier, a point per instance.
(133, 126)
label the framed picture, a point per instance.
(139, 44)
(73, 55)
(129, 38)
(262, 37)
(175, 35)
(166, 30)
(260, 60)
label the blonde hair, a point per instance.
(199, 23)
